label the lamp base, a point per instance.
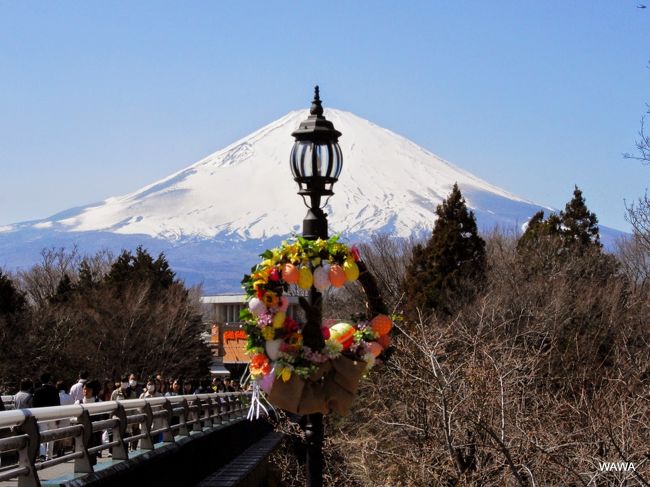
(314, 226)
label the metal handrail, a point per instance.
(195, 412)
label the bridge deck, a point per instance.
(247, 468)
(63, 470)
(54, 476)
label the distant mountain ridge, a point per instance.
(213, 217)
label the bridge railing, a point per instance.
(153, 420)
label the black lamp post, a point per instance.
(316, 163)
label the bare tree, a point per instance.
(642, 143)
(77, 319)
(542, 380)
(638, 215)
(634, 258)
(41, 281)
(386, 257)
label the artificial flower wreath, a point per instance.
(305, 368)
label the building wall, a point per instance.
(222, 312)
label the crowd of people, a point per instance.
(46, 392)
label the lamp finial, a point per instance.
(316, 107)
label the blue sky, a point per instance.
(100, 98)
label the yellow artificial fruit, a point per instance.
(278, 354)
(278, 319)
(306, 278)
(351, 270)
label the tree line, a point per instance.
(520, 359)
(104, 314)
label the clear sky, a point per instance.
(100, 98)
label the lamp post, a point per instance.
(316, 163)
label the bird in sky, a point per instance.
(640, 6)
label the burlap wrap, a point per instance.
(286, 395)
(321, 371)
(313, 399)
(348, 372)
(332, 387)
(339, 399)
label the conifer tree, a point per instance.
(14, 347)
(540, 230)
(11, 300)
(445, 273)
(87, 279)
(141, 267)
(579, 225)
(64, 290)
(574, 230)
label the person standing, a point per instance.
(106, 390)
(134, 384)
(177, 388)
(124, 391)
(121, 392)
(188, 387)
(153, 390)
(24, 398)
(76, 391)
(62, 446)
(64, 398)
(45, 396)
(90, 395)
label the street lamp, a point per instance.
(316, 162)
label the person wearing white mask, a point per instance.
(90, 393)
(153, 390)
(134, 385)
(136, 389)
(124, 391)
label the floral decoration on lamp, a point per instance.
(323, 377)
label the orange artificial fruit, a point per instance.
(337, 275)
(381, 324)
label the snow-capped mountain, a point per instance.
(212, 217)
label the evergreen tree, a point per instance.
(446, 272)
(141, 268)
(87, 279)
(14, 346)
(11, 300)
(64, 290)
(574, 230)
(539, 229)
(579, 225)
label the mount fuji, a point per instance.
(212, 218)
